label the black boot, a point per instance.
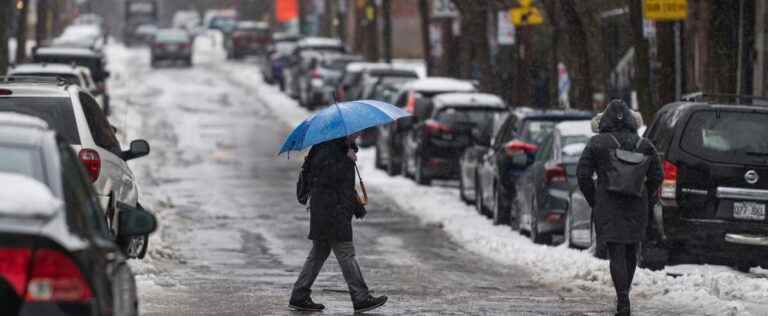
(306, 305)
(622, 305)
(370, 303)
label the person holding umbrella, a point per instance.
(328, 177)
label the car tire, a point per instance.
(743, 267)
(419, 173)
(124, 294)
(377, 159)
(536, 236)
(652, 256)
(598, 250)
(478, 196)
(567, 231)
(500, 208)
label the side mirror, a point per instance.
(135, 221)
(139, 148)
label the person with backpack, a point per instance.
(628, 176)
(327, 182)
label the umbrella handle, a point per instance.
(364, 199)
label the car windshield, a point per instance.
(473, 115)
(71, 78)
(56, 111)
(172, 37)
(23, 160)
(727, 136)
(536, 132)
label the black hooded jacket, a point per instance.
(617, 218)
(333, 201)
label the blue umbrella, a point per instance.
(339, 120)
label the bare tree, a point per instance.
(642, 81)
(21, 32)
(425, 42)
(6, 12)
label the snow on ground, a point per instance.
(708, 290)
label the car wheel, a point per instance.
(377, 159)
(598, 250)
(420, 177)
(743, 267)
(478, 196)
(652, 256)
(124, 296)
(514, 221)
(393, 169)
(135, 246)
(536, 236)
(500, 209)
(462, 191)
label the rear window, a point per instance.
(22, 160)
(71, 78)
(175, 37)
(536, 132)
(92, 63)
(56, 111)
(458, 115)
(727, 136)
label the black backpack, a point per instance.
(304, 184)
(628, 169)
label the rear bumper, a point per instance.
(441, 167)
(62, 309)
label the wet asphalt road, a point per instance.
(234, 239)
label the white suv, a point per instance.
(73, 73)
(77, 117)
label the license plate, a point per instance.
(749, 210)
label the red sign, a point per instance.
(286, 10)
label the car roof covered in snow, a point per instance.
(575, 128)
(469, 99)
(308, 42)
(44, 68)
(12, 119)
(544, 115)
(363, 65)
(440, 84)
(26, 197)
(25, 87)
(67, 51)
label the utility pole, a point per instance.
(6, 10)
(21, 31)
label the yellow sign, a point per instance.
(525, 3)
(665, 10)
(525, 16)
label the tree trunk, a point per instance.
(41, 29)
(578, 66)
(386, 8)
(642, 63)
(21, 33)
(6, 11)
(425, 42)
(370, 13)
(665, 76)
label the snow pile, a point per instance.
(706, 290)
(24, 196)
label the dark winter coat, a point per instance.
(333, 200)
(617, 218)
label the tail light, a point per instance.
(435, 127)
(668, 188)
(410, 105)
(555, 174)
(516, 147)
(315, 74)
(92, 162)
(553, 218)
(47, 275)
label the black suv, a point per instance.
(713, 199)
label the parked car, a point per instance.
(171, 44)
(77, 117)
(95, 61)
(350, 84)
(469, 161)
(307, 51)
(142, 35)
(434, 145)
(543, 188)
(58, 255)
(277, 58)
(391, 137)
(78, 75)
(318, 86)
(523, 132)
(712, 200)
(248, 38)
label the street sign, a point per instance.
(506, 30)
(444, 9)
(526, 16)
(665, 10)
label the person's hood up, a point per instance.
(598, 116)
(617, 118)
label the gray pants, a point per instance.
(345, 254)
